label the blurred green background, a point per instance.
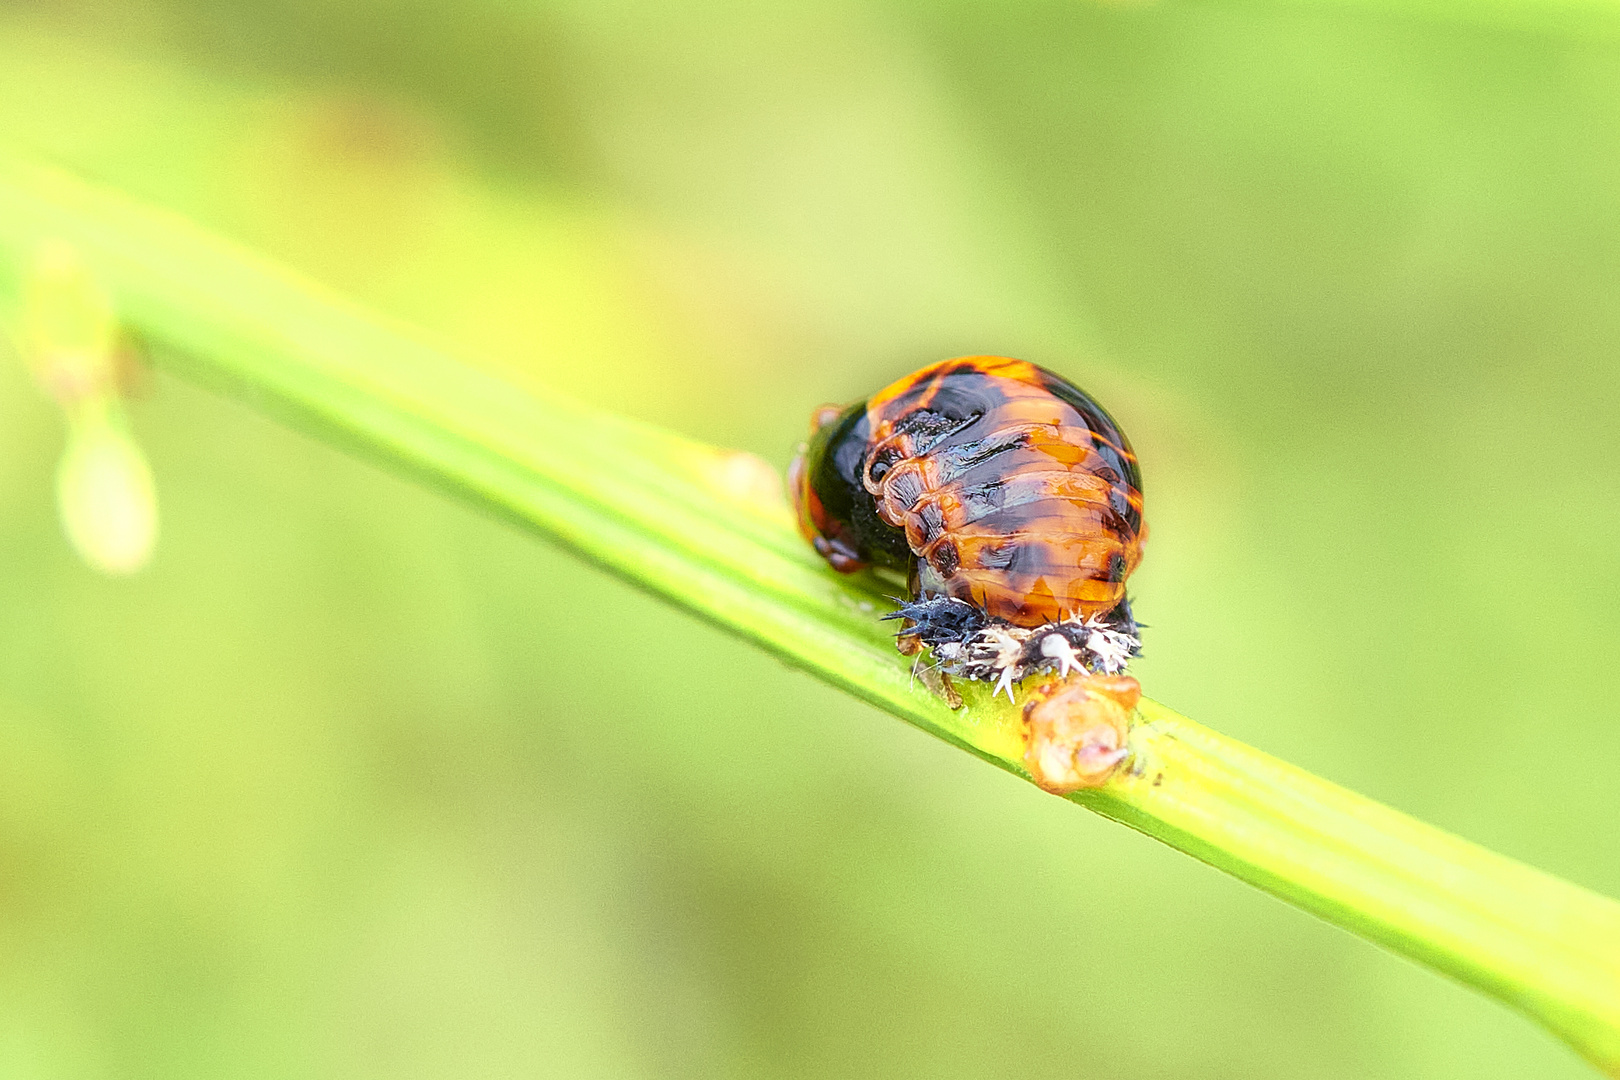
(352, 782)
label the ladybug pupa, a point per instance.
(1009, 498)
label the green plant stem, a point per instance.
(701, 528)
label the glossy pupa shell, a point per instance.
(990, 480)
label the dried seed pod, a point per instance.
(1077, 730)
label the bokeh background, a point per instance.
(355, 782)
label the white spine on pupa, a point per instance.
(998, 652)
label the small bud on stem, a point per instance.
(104, 489)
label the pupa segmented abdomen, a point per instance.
(1016, 492)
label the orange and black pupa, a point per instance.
(1010, 499)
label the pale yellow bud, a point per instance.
(104, 491)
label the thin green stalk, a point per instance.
(690, 523)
